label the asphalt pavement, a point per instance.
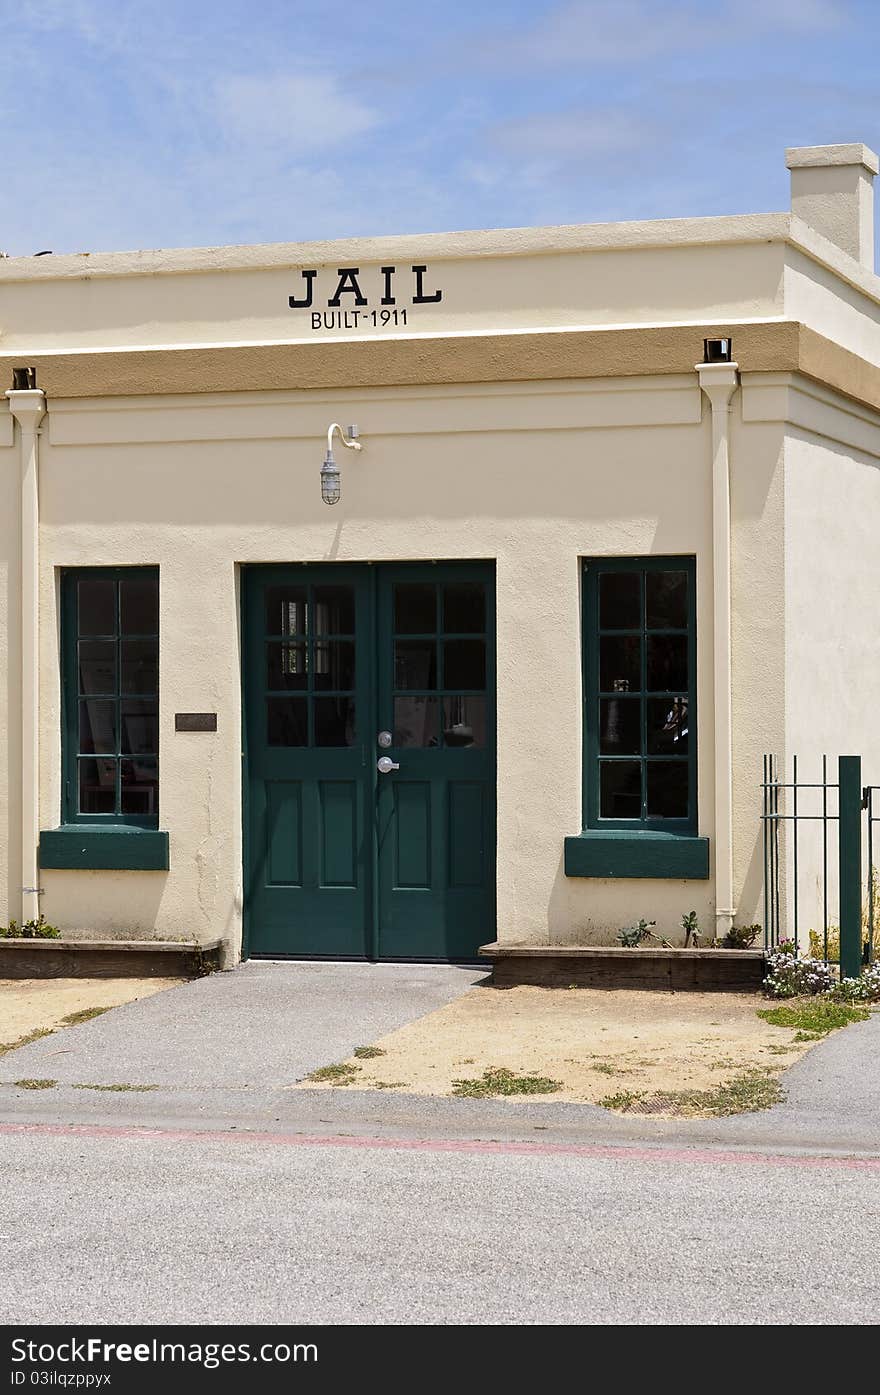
(225, 1196)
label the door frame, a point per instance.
(371, 568)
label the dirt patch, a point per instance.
(29, 1005)
(594, 1044)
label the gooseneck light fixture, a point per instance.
(330, 489)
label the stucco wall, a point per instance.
(534, 477)
(832, 508)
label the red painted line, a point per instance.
(624, 1151)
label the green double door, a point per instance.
(369, 696)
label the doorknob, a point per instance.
(385, 765)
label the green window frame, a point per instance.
(110, 697)
(640, 731)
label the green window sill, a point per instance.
(642, 854)
(116, 849)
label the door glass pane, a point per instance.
(139, 787)
(620, 726)
(334, 664)
(97, 727)
(415, 663)
(97, 666)
(620, 663)
(666, 600)
(619, 601)
(139, 605)
(333, 610)
(334, 721)
(464, 721)
(415, 608)
(140, 727)
(667, 789)
(464, 607)
(97, 786)
(285, 610)
(668, 726)
(464, 663)
(96, 606)
(140, 665)
(416, 721)
(620, 789)
(285, 666)
(667, 663)
(287, 722)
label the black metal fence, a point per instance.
(820, 890)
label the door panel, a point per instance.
(341, 860)
(436, 830)
(308, 726)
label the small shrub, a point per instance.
(38, 929)
(742, 936)
(498, 1080)
(632, 936)
(366, 1053)
(691, 927)
(814, 1018)
(623, 1100)
(865, 989)
(337, 1074)
(789, 976)
(30, 1083)
(73, 1019)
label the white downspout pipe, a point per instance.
(719, 382)
(28, 406)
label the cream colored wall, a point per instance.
(832, 510)
(533, 476)
(607, 285)
(10, 673)
(845, 313)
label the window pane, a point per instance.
(667, 663)
(464, 663)
(620, 663)
(415, 664)
(334, 721)
(97, 727)
(140, 665)
(415, 608)
(620, 789)
(620, 600)
(139, 605)
(285, 665)
(667, 789)
(285, 610)
(140, 727)
(464, 607)
(666, 600)
(287, 722)
(97, 666)
(96, 781)
(620, 724)
(96, 606)
(464, 721)
(668, 726)
(333, 610)
(416, 721)
(334, 664)
(139, 787)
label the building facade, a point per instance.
(611, 535)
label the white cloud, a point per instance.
(308, 112)
(570, 136)
(599, 32)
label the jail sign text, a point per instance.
(362, 302)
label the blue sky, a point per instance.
(140, 123)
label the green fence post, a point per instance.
(850, 847)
